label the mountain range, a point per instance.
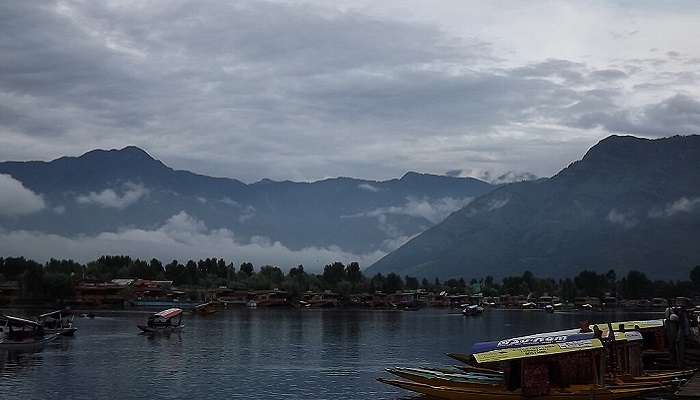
(127, 189)
(630, 203)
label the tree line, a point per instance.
(56, 279)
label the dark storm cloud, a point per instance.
(255, 89)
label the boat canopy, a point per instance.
(534, 346)
(631, 325)
(55, 314)
(632, 336)
(169, 313)
(19, 321)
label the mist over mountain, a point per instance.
(126, 201)
(630, 203)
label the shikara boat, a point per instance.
(22, 334)
(59, 321)
(164, 322)
(435, 378)
(484, 393)
(204, 309)
(658, 376)
(548, 366)
(472, 310)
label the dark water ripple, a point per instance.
(259, 354)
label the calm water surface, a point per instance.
(259, 354)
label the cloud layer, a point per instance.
(182, 237)
(16, 199)
(433, 210)
(306, 90)
(109, 198)
(682, 205)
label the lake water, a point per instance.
(260, 353)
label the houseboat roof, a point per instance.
(534, 346)
(169, 313)
(630, 325)
(20, 321)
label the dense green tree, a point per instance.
(695, 276)
(636, 285)
(57, 286)
(393, 283)
(353, 273)
(334, 273)
(411, 282)
(591, 283)
(247, 268)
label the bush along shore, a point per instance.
(118, 281)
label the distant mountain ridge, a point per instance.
(105, 190)
(629, 203)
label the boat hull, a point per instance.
(27, 344)
(62, 331)
(453, 393)
(160, 331)
(451, 380)
(658, 376)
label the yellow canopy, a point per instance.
(630, 325)
(538, 350)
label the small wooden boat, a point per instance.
(22, 334)
(663, 376)
(59, 321)
(164, 322)
(204, 309)
(489, 393)
(467, 359)
(455, 370)
(435, 378)
(472, 310)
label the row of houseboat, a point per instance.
(151, 293)
(600, 361)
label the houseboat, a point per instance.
(326, 299)
(22, 334)
(274, 298)
(166, 321)
(59, 321)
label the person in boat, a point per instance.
(673, 337)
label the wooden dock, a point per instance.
(691, 390)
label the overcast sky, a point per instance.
(306, 90)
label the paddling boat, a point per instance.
(472, 380)
(435, 378)
(472, 310)
(204, 309)
(22, 334)
(489, 393)
(660, 377)
(59, 322)
(164, 322)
